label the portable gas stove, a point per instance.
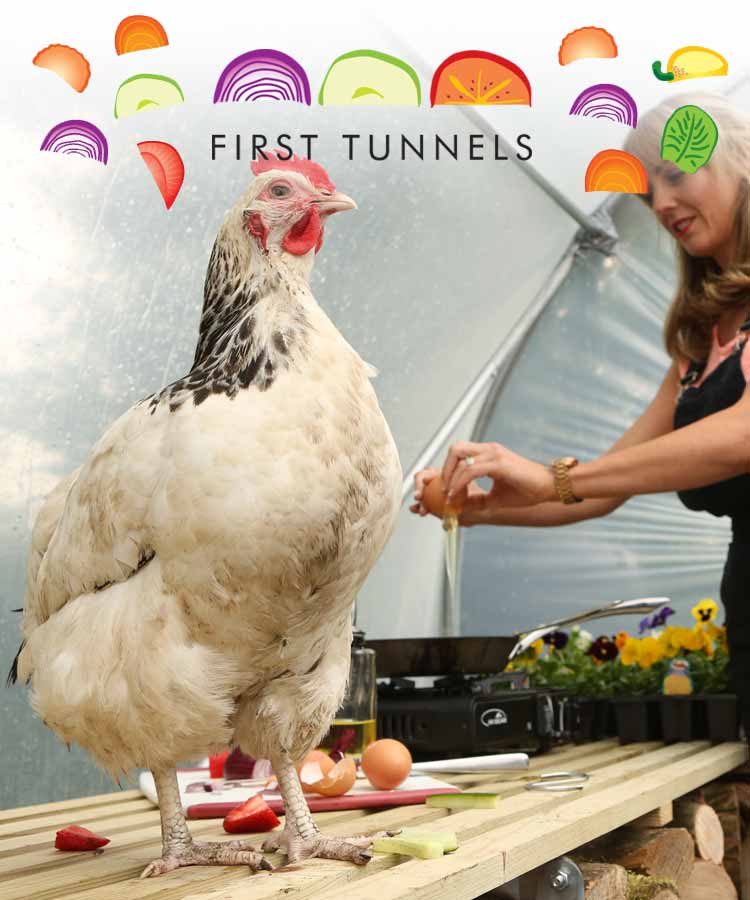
(464, 711)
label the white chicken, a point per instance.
(190, 586)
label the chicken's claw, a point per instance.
(353, 849)
(228, 853)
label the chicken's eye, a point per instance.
(280, 190)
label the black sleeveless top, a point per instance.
(723, 387)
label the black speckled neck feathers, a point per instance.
(235, 351)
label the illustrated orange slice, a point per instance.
(586, 43)
(139, 33)
(616, 170)
(67, 62)
(478, 78)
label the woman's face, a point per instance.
(696, 208)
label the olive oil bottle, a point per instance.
(354, 725)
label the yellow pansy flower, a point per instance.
(705, 611)
(630, 651)
(650, 652)
(621, 638)
(669, 642)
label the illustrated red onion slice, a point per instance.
(606, 101)
(77, 137)
(262, 75)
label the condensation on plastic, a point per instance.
(590, 367)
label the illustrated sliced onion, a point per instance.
(606, 101)
(77, 137)
(263, 75)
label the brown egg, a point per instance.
(386, 763)
(433, 498)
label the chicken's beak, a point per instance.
(336, 202)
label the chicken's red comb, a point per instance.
(311, 170)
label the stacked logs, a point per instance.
(685, 861)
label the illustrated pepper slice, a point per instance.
(253, 816)
(75, 837)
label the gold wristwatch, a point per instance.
(560, 468)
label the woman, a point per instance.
(694, 437)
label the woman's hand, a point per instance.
(475, 500)
(517, 481)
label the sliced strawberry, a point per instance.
(253, 816)
(216, 764)
(75, 837)
(166, 166)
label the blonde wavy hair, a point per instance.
(703, 292)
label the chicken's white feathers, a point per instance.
(192, 583)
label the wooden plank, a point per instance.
(88, 816)
(456, 876)
(57, 881)
(25, 812)
(657, 818)
(467, 824)
(473, 869)
(146, 828)
(575, 823)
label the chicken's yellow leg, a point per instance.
(178, 846)
(300, 838)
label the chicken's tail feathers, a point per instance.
(13, 673)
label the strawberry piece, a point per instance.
(253, 816)
(216, 764)
(75, 837)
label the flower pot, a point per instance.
(610, 718)
(583, 719)
(683, 718)
(638, 718)
(588, 719)
(723, 715)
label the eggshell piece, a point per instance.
(339, 779)
(314, 768)
(386, 763)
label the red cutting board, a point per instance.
(226, 796)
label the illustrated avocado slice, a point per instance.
(370, 77)
(143, 92)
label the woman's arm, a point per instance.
(657, 419)
(712, 449)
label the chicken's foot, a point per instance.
(301, 838)
(179, 848)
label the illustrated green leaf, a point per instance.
(689, 138)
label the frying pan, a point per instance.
(483, 655)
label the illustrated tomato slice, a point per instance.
(166, 167)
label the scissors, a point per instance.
(558, 781)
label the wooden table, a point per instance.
(528, 829)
